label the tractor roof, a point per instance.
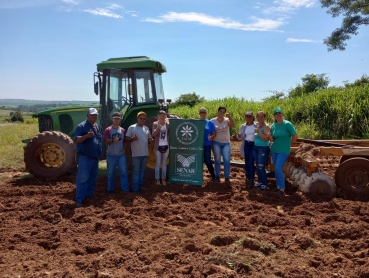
(136, 62)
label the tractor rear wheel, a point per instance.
(352, 176)
(50, 154)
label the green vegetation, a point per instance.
(187, 99)
(310, 84)
(17, 117)
(11, 146)
(333, 113)
(354, 13)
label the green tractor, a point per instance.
(127, 85)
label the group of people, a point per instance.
(88, 137)
(258, 139)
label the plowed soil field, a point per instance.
(178, 231)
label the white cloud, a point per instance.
(258, 24)
(114, 7)
(71, 2)
(288, 6)
(301, 40)
(103, 12)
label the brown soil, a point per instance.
(179, 231)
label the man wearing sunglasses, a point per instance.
(139, 136)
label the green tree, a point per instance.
(275, 96)
(354, 12)
(17, 117)
(310, 84)
(364, 80)
(190, 99)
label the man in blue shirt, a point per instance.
(208, 137)
(88, 137)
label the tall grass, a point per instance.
(327, 114)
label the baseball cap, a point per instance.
(92, 111)
(277, 110)
(249, 113)
(162, 112)
(116, 115)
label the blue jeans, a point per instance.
(278, 160)
(261, 155)
(86, 177)
(138, 171)
(249, 159)
(224, 150)
(161, 160)
(207, 160)
(114, 161)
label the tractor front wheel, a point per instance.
(50, 154)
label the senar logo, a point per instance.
(187, 133)
(186, 161)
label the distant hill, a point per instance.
(40, 105)
(27, 102)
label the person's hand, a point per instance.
(210, 138)
(257, 130)
(239, 135)
(90, 134)
(228, 115)
(115, 139)
(135, 138)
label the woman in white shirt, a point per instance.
(247, 135)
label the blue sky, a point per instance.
(49, 48)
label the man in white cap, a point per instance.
(88, 138)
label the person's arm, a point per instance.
(231, 122)
(212, 136)
(294, 138)
(292, 131)
(130, 136)
(149, 137)
(107, 138)
(156, 127)
(264, 135)
(79, 138)
(239, 134)
(269, 134)
(213, 132)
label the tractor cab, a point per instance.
(129, 85)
